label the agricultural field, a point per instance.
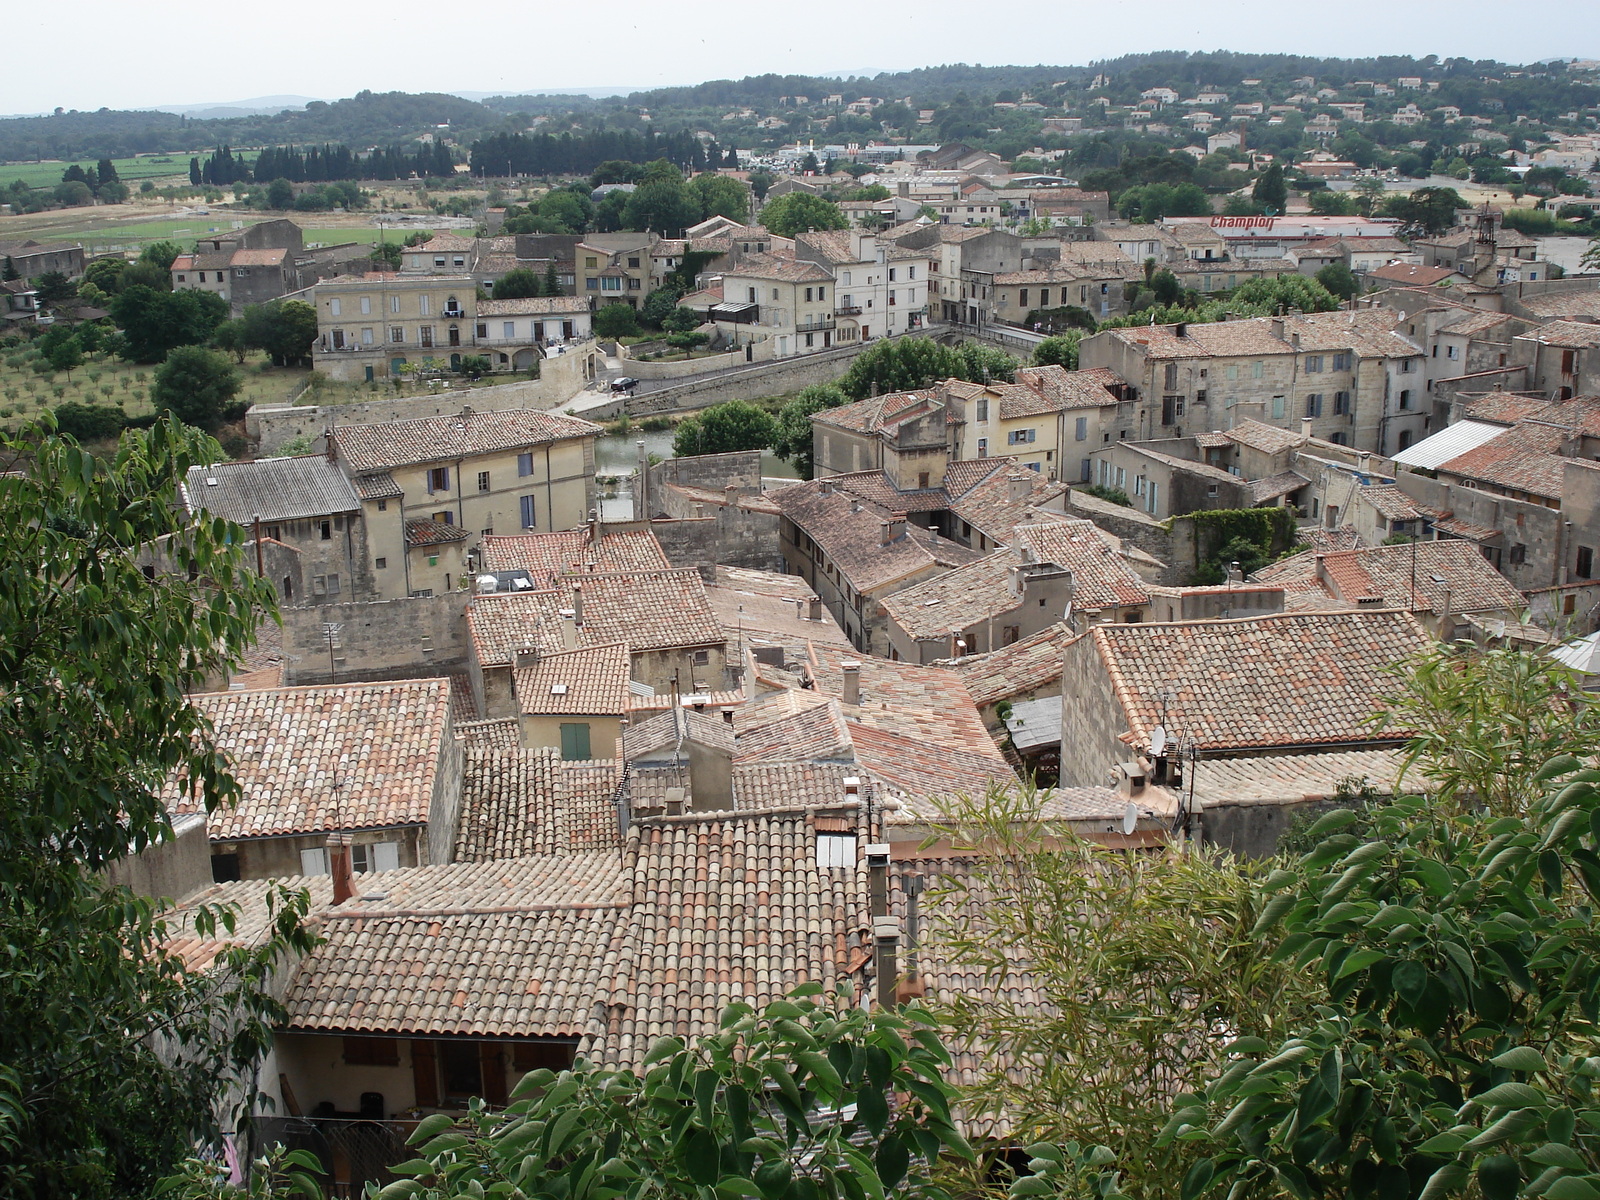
(25, 391)
(129, 170)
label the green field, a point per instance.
(129, 170)
(134, 234)
(338, 235)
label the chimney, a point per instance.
(641, 485)
(569, 629)
(885, 928)
(1020, 488)
(594, 528)
(577, 604)
(344, 883)
(814, 608)
(1277, 328)
(825, 487)
(710, 777)
(727, 717)
(852, 787)
(333, 450)
(1181, 329)
(730, 495)
(1305, 427)
(958, 645)
(851, 693)
(894, 528)
(855, 506)
(525, 657)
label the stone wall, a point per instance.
(171, 869)
(742, 383)
(1170, 542)
(416, 637)
(1091, 719)
(560, 379)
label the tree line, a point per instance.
(327, 163)
(569, 153)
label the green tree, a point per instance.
(681, 320)
(1426, 212)
(1591, 255)
(10, 271)
(73, 194)
(552, 283)
(1061, 349)
(982, 363)
(1325, 203)
(196, 385)
(516, 284)
(231, 337)
(284, 329)
(54, 288)
(106, 273)
(162, 254)
(659, 305)
(615, 321)
(386, 256)
(801, 212)
(792, 437)
(760, 181)
(155, 322)
(812, 1096)
(62, 351)
(1369, 194)
(1339, 280)
(1283, 292)
(1271, 191)
(125, 1054)
(145, 274)
(720, 195)
(280, 194)
(476, 366)
(663, 205)
(734, 425)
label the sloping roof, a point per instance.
(1424, 576)
(1583, 302)
(592, 681)
(446, 438)
(1023, 668)
(309, 759)
(1576, 335)
(1388, 502)
(468, 951)
(532, 306)
(935, 609)
(1298, 778)
(516, 802)
(274, 489)
(1273, 487)
(428, 532)
(725, 907)
(1450, 442)
(1294, 679)
(1415, 274)
(547, 556)
(1100, 577)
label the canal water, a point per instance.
(617, 456)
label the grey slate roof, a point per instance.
(275, 489)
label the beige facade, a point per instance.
(612, 268)
(370, 326)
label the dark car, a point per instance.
(625, 384)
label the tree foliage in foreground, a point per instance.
(723, 428)
(792, 437)
(112, 1057)
(906, 364)
(811, 1098)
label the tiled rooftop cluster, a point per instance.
(369, 448)
(516, 802)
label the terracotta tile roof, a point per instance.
(433, 533)
(1025, 668)
(516, 802)
(378, 486)
(1268, 439)
(445, 243)
(852, 536)
(1413, 274)
(938, 608)
(1524, 458)
(592, 681)
(659, 738)
(1284, 483)
(792, 725)
(1101, 579)
(467, 951)
(1577, 335)
(981, 493)
(763, 608)
(1388, 502)
(548, 556)
(1326, 540)
(502, 734)
(1218, 339)
(464, 435)
(1286, 680)
(1433, 569)
(532, 306)
(873, 414)
(782, 270)
(649, 610)
(912, 766)
(353, 756)
(1584, 303)
(259, 258)
(723, 908)
(1296, 778)
(1065, 390)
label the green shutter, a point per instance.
(575, 741)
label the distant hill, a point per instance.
(224, 110)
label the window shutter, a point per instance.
(385, 856)
(314, 861)
(424, 1075)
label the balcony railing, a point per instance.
(353, 1152)
(815, 325)
(847, 310)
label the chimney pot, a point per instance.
(814, 608)
(344, 884)
(1305, 427)
(569, 629)
(577, 604)
(852, 681)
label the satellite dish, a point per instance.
(1158, 741)
(1130, 818)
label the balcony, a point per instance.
(815, 325)
(353, 1151)
(847, 310)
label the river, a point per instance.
(617, 455)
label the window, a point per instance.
(1341, 361)
(983, 408)
(424, 305)
(1152, 504)
(335, 306)
(1277, 408)
(1172, 377)
(590, 262)
(983, 447)
(892, 274)
(439, 479)
(611, 283)
(1233, 371)
(528, 514)
(1258, 369)
(525, 464)
(445, 517)
(633, 264)
(1080, 429)
(1341, 403)
(575, 741)
(1452, 352)
(1338, 439)
(822, 293)
(1171, 409)
(1314, 404)
(326, 529)
(397, 333)
(366, 304)
(425, 336)
(1020, 437)
(1585, 562)
(1313, 364)
(1405, 399)
(911, 272)
(461, 1069)
(482, 330)
(180, 277)
(375, 856)
(366, 336)
(314, 861)
(591, 283)
(381, 563)
(483, 481)
(438, 260)
(808, 293)
(1022, 298)
(394, 304)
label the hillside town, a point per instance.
(1116, 510)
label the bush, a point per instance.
(89, 422)
(1113, 495)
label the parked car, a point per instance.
(624, 384)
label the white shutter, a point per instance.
(385, 855)
(314, 861)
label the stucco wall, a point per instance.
(1090, 719)
(170, 869)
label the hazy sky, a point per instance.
(117, 54)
